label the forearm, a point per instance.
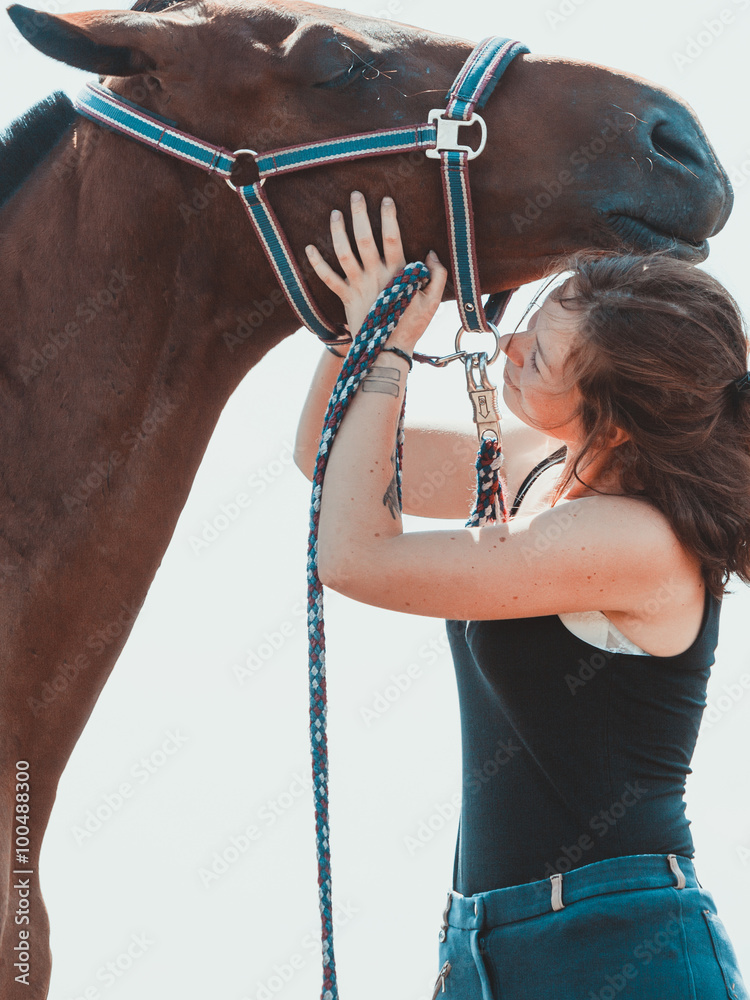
(359, 504)
(310, 424)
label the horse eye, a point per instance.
(360, 68)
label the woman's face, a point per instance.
(535, 389)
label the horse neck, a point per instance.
(116, 305)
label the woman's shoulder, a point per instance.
(666, 617)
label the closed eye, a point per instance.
(358, 69)
(532, 361)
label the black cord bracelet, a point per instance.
(401, 354)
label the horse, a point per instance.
(135, 299)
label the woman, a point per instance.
(582, 630)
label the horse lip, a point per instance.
(647, 236)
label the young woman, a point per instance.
(582, 630)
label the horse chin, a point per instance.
(644, 236)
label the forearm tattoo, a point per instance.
(390, 497)
(382, 380)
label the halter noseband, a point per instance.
(438, 138)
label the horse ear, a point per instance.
(106, 42)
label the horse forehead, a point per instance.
(273, 23)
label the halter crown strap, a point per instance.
(480, 75)
(471, 88)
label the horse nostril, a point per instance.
(677, 144)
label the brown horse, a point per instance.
(135, 299)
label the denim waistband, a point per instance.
(518, 902)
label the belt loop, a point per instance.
(444, 927)
(676, 870)
(557, 884)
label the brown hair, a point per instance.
(660, 344)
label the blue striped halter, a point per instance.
(438, 138)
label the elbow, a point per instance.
(337, 571)
(331, 572)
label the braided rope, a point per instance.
(490, 506)
(365, 347)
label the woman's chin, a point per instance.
(511, 399)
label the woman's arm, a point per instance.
(438, 475)
(438, 470)
(439, 479)
(608, 553)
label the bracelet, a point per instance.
(401, 354)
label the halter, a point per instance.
(438, 138)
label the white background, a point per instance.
(244, 742)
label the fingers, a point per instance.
(342, 247)
(438, 276)
(393, 251)
(326, 273)
(368, 250)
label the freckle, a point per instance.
(515, 598)
(408, 604)
(503, 539)
(377, 534)
(583, 548)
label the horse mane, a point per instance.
(154, 6)
(30, 138)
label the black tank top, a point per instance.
(571, 754)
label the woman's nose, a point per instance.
(511, 344)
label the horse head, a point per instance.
(578, 155)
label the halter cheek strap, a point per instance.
(438, 138)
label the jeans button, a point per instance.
(442, 936)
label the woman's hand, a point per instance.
(362, 284)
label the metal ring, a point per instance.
(492, 329)
(252, 152)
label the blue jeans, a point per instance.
(630, 928)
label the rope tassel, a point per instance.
(490, 506)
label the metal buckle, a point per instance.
(447, 134)
(493, 330)
(483, 396)
(440, 362)
(252, 152)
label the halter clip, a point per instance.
(447, 135)
(483, 396)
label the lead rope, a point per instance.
(366, 346)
